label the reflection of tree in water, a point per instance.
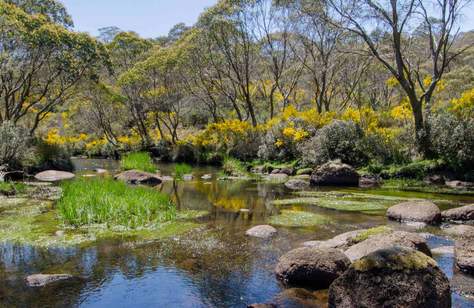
(219, 267)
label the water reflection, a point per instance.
(214, 266)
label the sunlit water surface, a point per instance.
(213, 266)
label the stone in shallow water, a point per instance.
(395, 277)
(443, 250)
(54, 176)
(460, 230)
(41, 280)
(464, 213)
(296, 184)
(313, 267)
(415, 211)
(263, 231)
(335, 173)
(206, 177)
(464, 255)
(139, 177)
(386, 241)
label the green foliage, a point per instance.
(416, 169)
(181, 169)
(453, 140)
(13, 142)
(138, 161)
(338, 140)
(234, 167)
(105, 201)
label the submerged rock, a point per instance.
(335, 173)
(54, 176)
(460, 184)
(370, 181)
(41, 280)
(304, 171)
(394, 277)
(386, 241)
(278, 177)
(263, 231)
(297, 184)
(206, 177)
(464, 256)
(188, 177)
(415, 211)
(443, 250)
(312, 267)
(464, 213)
(139, 177)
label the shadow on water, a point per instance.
(214, 265)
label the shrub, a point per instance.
(338, 140)
(13, 142)
(138, 161)
(233, 167)
(44, 156)
(185, 153)
(105, 201)
(453, 140)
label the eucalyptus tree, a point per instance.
(41, 62)
(416, 45)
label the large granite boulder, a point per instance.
(262, 231)
(335, 173)
(464, 213)
(394, 277)
(464, 255)
(341, 241)
(54, 176)
(312, 267)
(388, 240)
(460, 230)
(137, 177)
(415, 211)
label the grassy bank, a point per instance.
(104, 201)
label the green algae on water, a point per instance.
(290, 218)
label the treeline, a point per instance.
(368, 82)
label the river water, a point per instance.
(215, 265)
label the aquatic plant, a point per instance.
(290, 218)
(181, 169)
(104, 201)
(8, 188)
(138, 161)
(234, 167)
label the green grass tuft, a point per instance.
(181, 169)
(104, 201)
(234, 167)
(138, 161)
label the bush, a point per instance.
(339, 140)
(105, 201)
(13, 143)
(185, 153)
(138, 161)
(44, 156)
(453, 140)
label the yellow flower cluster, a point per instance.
(55, 138)
(464, 106)
(222, 133)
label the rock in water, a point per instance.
(297, 184)
(385, 241)
(464, 213)
(263, 231)
(312, 267)
(139, 177)
(415, 211)
(335, 173)
(278, 177)
(464, 256)
(460, 230)
(54, 176)
(394, 277)
(41, 280)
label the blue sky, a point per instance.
(152, 18)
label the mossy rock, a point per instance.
(365, 234)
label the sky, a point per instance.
(153, 18)
(149, 18)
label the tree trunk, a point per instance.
(422, 130)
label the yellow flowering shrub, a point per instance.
(464, 105)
